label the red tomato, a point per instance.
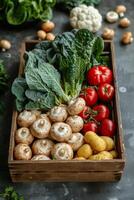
(90, 95)
(105, 92)
(85, 113)
(107, 128)
(90, 126)
(100, 112)
(99, 74)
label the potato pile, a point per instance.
(57, 135)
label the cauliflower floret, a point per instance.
(86, 17)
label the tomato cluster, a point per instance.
(98, 96)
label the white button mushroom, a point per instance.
(23, 135)
(40, 157)
(75, 122)
(58, 113)
(5, 45)
(22, 152)
(26, 118)
(62, 151)
(76, 141)
(124, 22)
(60, 131)
(121, 9)
(42, 147)
(40, 128)
(41, 35)
(112, 17)
(75, 106)
(108, 33)
(127, 38)
(47, 26)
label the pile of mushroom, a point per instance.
(54, 135)
(123, 22)
(45, 32)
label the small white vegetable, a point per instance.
(22, 152)
(62, 151)
(26, 118)
(5, 45)
(40, 157)
(76, 123)
(121, 9)
(40, 128)
(112, 17)
(23, 135)
(75, 106)
(86, 17)
(58, 113)
(60, 131)
(42, 147)
(76, 141)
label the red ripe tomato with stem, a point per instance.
(90, 126)
(85, 113)
(105, 92)
(100, 112)
(90, 95)
(99, 74)
(107, 128)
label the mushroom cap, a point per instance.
(112, 16)
(40, 157)
(23, 135)
(22, 152)
(42, 147)
(5, 44)
(108, 33)
(62, 151)
(120, 9)
(127, 38)
(41, 34)
(124, 22)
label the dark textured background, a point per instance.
(123, 190)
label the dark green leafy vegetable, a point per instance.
(69, 4)
(16, 12)
(10, 194)
(3, 84)
(55, 71)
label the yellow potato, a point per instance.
(104, 155)
(79, 158)
(109, 143)
(95, 141)
(84, 151)
(114, 153)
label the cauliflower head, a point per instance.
(86, 17)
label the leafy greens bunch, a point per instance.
(69, 4)
(10, 194)
(55, 71)
(3, 83)
(16, 12)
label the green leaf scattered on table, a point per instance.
(10, 194)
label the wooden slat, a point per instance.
(113, 165)
(67, 177)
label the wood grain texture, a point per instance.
(110, 170)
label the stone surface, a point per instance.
(124, 60)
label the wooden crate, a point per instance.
(76, 171)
